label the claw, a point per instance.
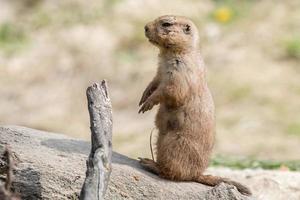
(145, 95)
(146, 106)
(140, 110)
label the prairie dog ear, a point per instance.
(187, 29)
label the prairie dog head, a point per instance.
(172, 33)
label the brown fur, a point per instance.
(185, 118)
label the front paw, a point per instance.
(148, 105)
(147, 93)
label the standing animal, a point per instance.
(186, 116)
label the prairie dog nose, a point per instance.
(146, 28)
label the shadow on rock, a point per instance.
(68, 145)
(83, 147)
(28, 185)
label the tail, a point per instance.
(215, 180)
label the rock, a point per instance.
(265, 184)
(52, 166)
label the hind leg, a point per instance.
(149, 165)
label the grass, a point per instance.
(292, 47)
(28, 4)
(12, 38)
(68, 14)
(294, 128)
(41, 19)
(240, 93)
(244, 163)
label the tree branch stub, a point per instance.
(99, 161)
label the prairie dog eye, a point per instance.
(187, 29)
(166, 24)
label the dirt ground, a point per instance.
(50, 51)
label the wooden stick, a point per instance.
(5, 192)
(99, 161)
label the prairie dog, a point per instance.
(186, 116)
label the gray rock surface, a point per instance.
(52, 166)
(265, 184)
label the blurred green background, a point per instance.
(50, 51)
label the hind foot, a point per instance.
(149, 165)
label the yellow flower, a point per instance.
(223, 14)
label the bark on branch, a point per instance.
(5, 190)
(99, 161)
